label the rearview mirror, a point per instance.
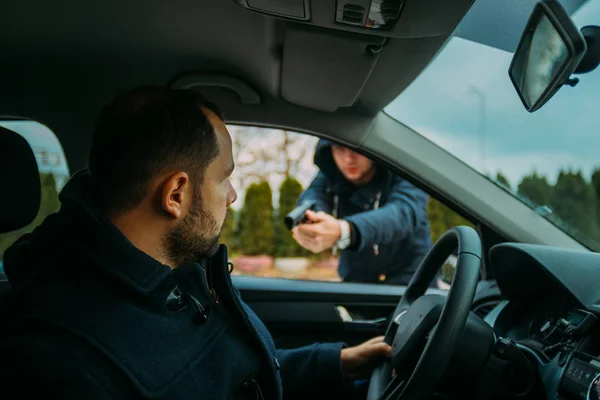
(550, 49)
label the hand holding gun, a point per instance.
(298, 215)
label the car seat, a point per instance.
(21, 188)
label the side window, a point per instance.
(275, 167)
(53, 168)
(442, 218)
(272, 168)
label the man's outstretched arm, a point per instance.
(397, 219)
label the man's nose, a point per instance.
(232, 197)
(349, 156)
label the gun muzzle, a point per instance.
(298, 214)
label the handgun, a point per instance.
(298, 215)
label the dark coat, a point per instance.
(390, 240)
(90, 316)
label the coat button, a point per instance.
(175, 301)
(366, 206)
(203, 311)
(276, 362)
(382, 278)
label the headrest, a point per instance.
(20, 188)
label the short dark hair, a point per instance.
(142, 133)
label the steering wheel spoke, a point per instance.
(425, 329)
(393, 389)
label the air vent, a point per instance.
(483, 309)
(353, 14)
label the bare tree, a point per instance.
(257, 159)
(287, 149)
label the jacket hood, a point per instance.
(81, 227)
(324, 160)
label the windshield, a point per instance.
(465, 103)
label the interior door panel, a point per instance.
(299, 313)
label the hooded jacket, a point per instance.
(388, 218)
(89, 316)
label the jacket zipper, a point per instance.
(334, 249)
(375, 207)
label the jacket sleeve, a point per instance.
(317, 191)
(404, 209)
(312, 372)
(38, 371)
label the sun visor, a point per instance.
(324, 69)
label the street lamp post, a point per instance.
(482, 123)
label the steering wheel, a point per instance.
(434, 321)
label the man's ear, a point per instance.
(175, 195)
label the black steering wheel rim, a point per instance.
(446, 334)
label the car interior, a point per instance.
(520, 319)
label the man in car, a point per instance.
(125, 292)
(374, 217)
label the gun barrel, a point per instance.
(297, 215)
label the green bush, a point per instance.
(228, 234)
(448, 272)
(255, 232)
(442, 218)
(536, 189)
(574, 201)
(289, 191)
(503, 180)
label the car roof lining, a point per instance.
(62, 64)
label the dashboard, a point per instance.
(551, 313)
(560, 338)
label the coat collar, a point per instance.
(80, 229)
(85, 224)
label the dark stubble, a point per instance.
(195, 237)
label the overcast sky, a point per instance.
(445, 102)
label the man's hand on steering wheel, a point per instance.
(359, 361)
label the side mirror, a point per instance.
(550, 50)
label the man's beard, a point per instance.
(195, 237)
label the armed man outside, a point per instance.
(376, 219)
